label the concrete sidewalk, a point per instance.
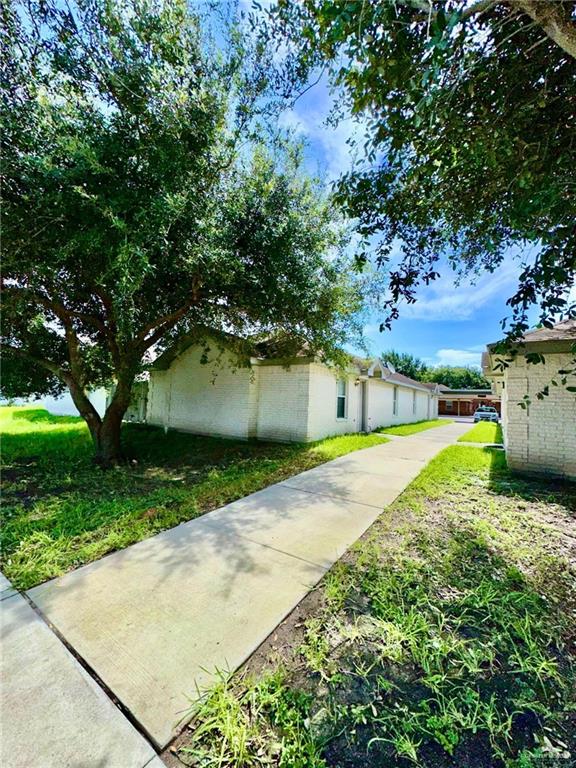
(155, 620)
(52, 713)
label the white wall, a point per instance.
(158, 398)
(282, 397)
(270, 402)
(541, 438)
(380, 404)
(380, 395)
(322, 420)
(209, 398)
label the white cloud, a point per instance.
(328, 143)
(444, 300)
(471, 356)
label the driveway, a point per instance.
(156, 620)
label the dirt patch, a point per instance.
(522, 527)
(280, 647)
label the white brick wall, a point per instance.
(296, 404)
(543, 437)
(322, 420)
(282, 402)
(211, 399)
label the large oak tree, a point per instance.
(470, 115)
(139, 203)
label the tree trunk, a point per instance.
(105, 432)
(107, 438)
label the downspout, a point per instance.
(253, 398)
(169, 403)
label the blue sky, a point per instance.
(450, 324)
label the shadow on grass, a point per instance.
(452, 657)
(61, 511)
(528, 487)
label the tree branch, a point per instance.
(162, 324)
(549, 15)
(45, 363)
(426, 6)
(480, 6)
(61, 311)
(111, 327)
(83, 404)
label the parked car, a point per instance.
(486, 413)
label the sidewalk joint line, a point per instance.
(95, 677)
(283, 552)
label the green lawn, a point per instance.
(59, 511)
(483, 432)
(411, 429)
(444, 638)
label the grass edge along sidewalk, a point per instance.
(443, 637)
(413, 428)
(483, 432)
(60, 511)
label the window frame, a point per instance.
(449, 405)
(343, 397)
(395, 401)
(414, 402)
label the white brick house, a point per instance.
(299, 400)
(542, 436)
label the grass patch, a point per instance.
(411, 429)
(444, 638)
(59, 511)
(483, 432)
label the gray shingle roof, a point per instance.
(399, 378)
(566, 330)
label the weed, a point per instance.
(254, 724)
(440, 640)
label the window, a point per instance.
(395, 402)
(341, 399)
(413, 402)
(448, 405)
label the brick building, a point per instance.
(204, 388)
(463, 402)
(540, 437)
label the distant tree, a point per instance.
(407, 364)
(136, 207)
(457, 377)
(469, 107)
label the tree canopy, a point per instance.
(143, 199)
(457, 377)
(403, 362)
(453, 376)
(470, 115)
